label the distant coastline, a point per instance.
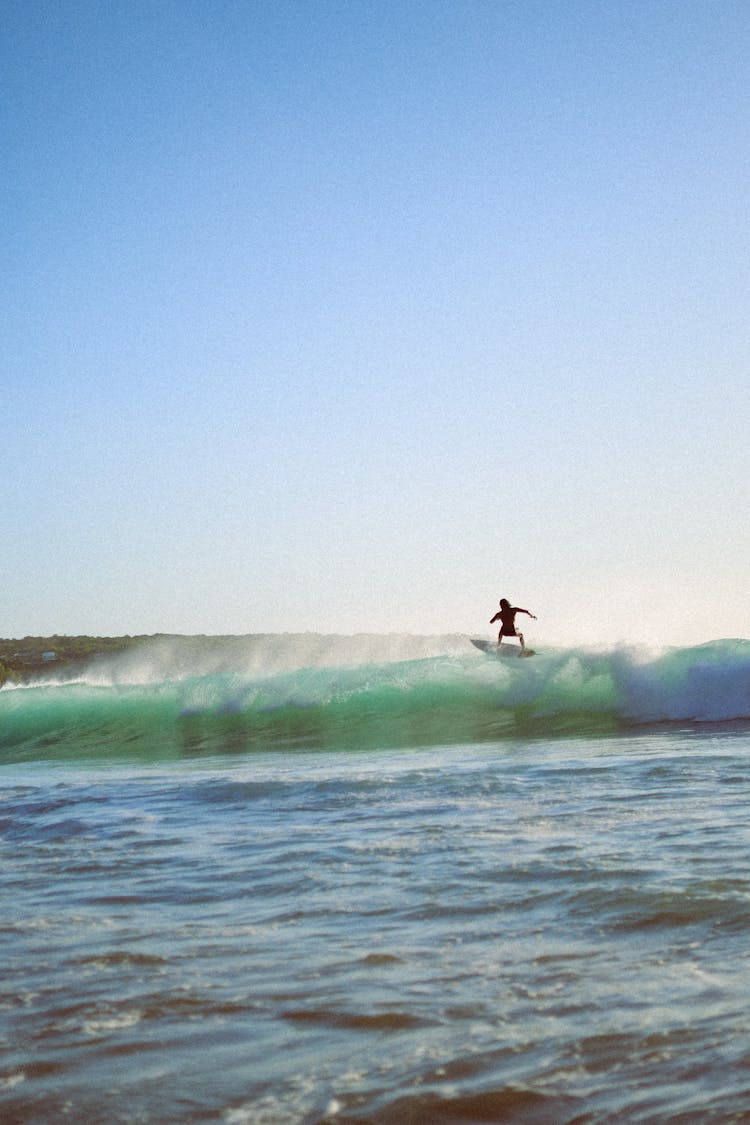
(27, 658)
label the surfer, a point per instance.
(507, 616)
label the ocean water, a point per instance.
(383, 880)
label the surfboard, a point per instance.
(505, 650)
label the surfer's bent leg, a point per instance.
(520, 637)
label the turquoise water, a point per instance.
(431, 889)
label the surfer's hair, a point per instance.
(504, 601)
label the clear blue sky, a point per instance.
(358, 316)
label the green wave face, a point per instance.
(462, 697)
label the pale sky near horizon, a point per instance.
(355, 317)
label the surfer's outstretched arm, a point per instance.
(519, 610)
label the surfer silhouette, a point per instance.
(507, 617)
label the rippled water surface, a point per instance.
(523, 931)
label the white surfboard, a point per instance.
(503, 650)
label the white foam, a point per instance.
(113, 1022)
(8, 1081)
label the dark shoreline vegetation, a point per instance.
(29, 658)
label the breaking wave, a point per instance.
(191, 695)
